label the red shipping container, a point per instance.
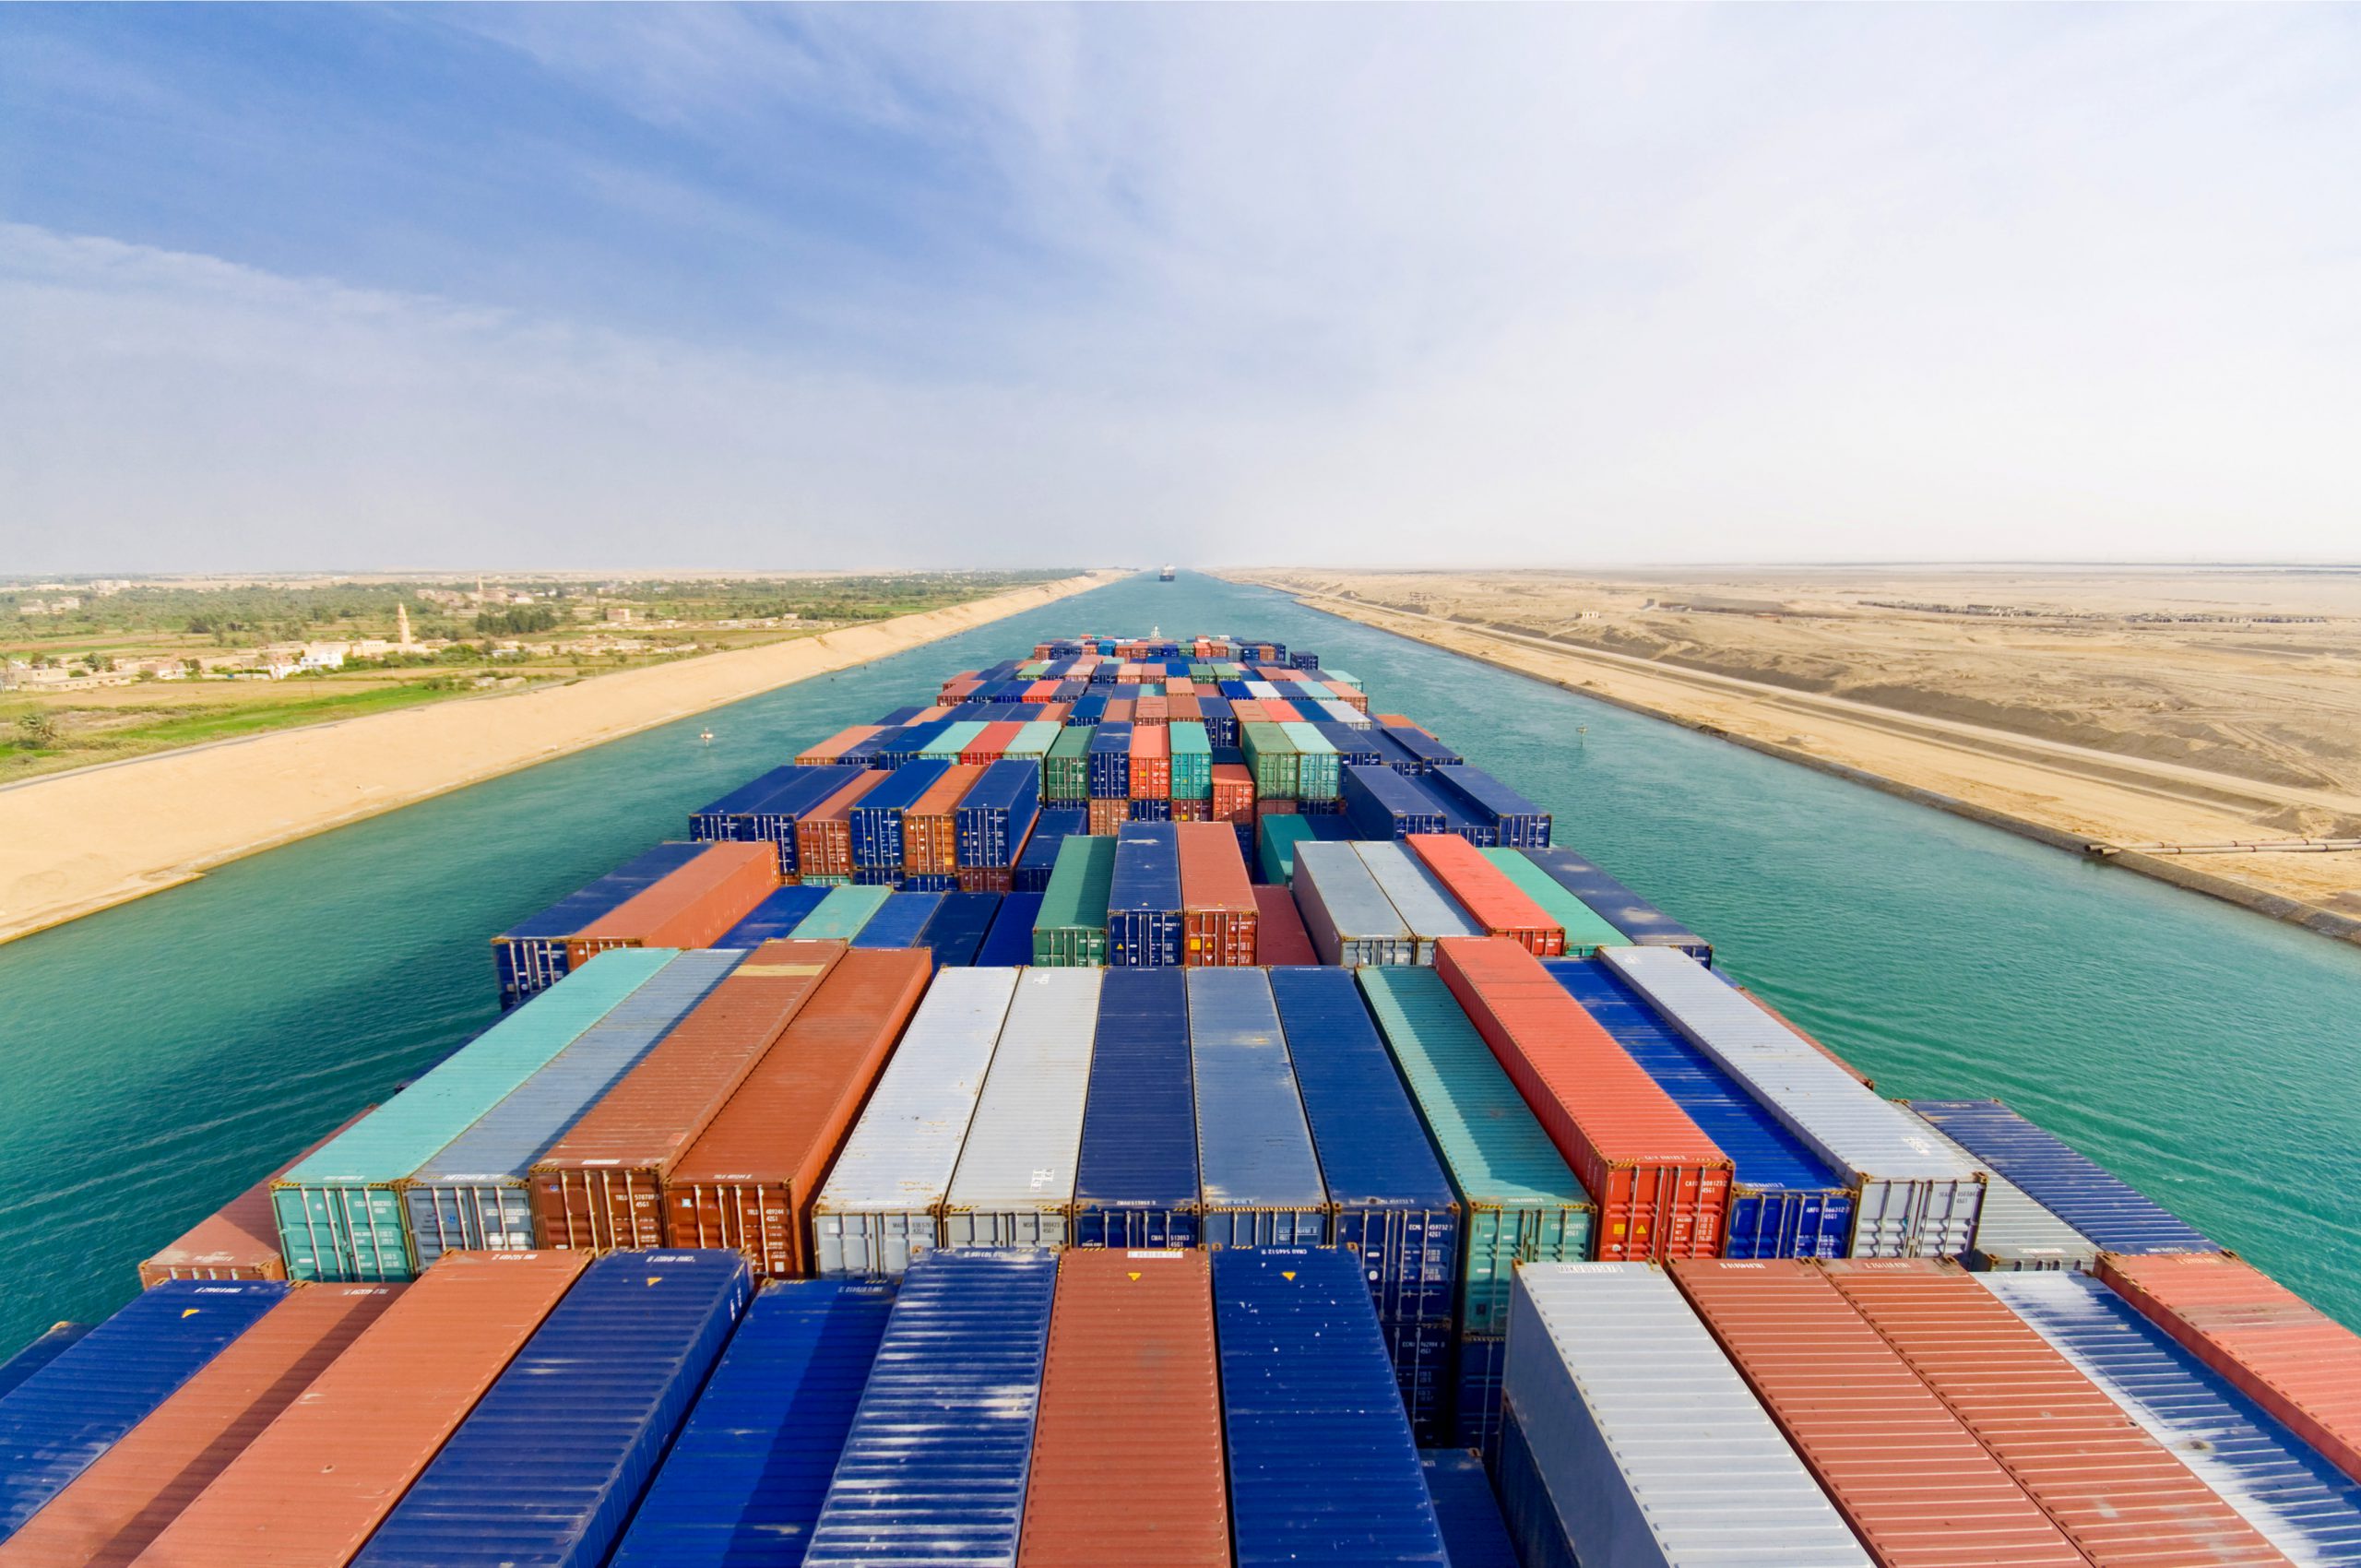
(1055, 712)
(1183, 688)
(1275, 806)
(930, 829)
(1233, 797)
(1661, 1185)
(2121, 1497)
(1218, 914)
(1492, 901)
(1152, 710)
(986, 879)
(112, 1509)
(1914, 1482)
(1279, 936)
(749, 1179)
(1184, 708)
(1277, 710)
(600, 1186)
(992, 744)
(2283, 1352)
(1247, 710)
(238, 1240)
(1041, 691)
(1119, 712)
(1151, 763)
(1130, 1407)
(823, 835)
(835, 746)
(312, 1489)
(1106, 817)
(692, 906)
(1194, 811)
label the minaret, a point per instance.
(402, 626)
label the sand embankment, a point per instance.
(2072, 797)
(74, 843)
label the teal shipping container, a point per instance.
(842, 914)
(1276, 838)
(1192, 762)
(339, 1210)
(1316, 762)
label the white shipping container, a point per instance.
(882, 1204)
(1351, 718)
(1915, 1196)
(1347, 916)
(1418, 896)
(1015, 1184)
(2012, 1232)
(1646, 1446)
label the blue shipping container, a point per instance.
(771, 920)
(1784, 1202)
(1322, 1466)
(1009, 942)
(1394, 754)
(1432, 754)
(773, 818)
(936, 1467)
(901, 714)
(1038, 859)
(1517, 823)
(1381, 803)
(930, 882)
(1109, 762)
(1618, 906)
(1088, 709)
(1481, 1360)
(900, 922)
(1135, 1179)
(1144, 898)
(901, 748)
(958, 927)
(1354, 748)
(1260, 1178)
(1473, 1531)
(1221, 724)
(530, 956)
(718, 820)
(997, 811)
(52, 1343)
(2115, 1215)
(548, 1467)
(1456, 818)
(1151, 810)
(876, 818)
(66, 1414)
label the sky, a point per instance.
(287, 288)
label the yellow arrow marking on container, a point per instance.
(191, 1312)
(654, 1277)
(1132, 1275)
(1287, 1273)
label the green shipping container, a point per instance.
(1316, 762)
(1066, 773)
(1271, 758)
(339, 1218)
(841, 914)
(1203, 673)
(1033, 741)
(1071, 931)
(1192, 762)
(947, 746)
(1521, 1201)
(1033, 670)
(1585, 932)
(1275, 841)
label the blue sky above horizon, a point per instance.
(378, 286)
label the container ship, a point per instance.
(1165, 575)
(1148, 1105)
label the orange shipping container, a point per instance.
(600, 1186)
(1279, 936)
(239, 1240)
(1055, 712)
(692, 906)
(1193, 811)
(311, 1489)
(1130, 1408)
(1218, 914)
(986, 879)
(2283, 1352)
(1280, 711)
(2121, 1497)
(1913, 1481)
(1492, 901)
(1184, 708)
(1151, 763)
(1106, 817)
(130, 1493)
(823, 835)
(1152, 709)
(1404, 721)
(992, 744)
(1041, 691)
(930, 829)
(1233, 793)
(1183, 687)
(835, 746)
(749, 1181)
(1119, 712)
(1247, 710)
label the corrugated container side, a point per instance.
(62, 1418)
(1485, 891)
(1037, 860)
(823, 834)
(238, 1240)
(717, 820)
(876, 818)
(1272, 757)
(1915, 1483)
(1661, 1184)
(1127, 1448)
(1218, 913)
(1191, 756)
(1419, 897)
(1110, 760)
(1144, 917)
(997, 813)
(2080, 1192)
(835, 746)
(1321, 1464)
(530, 956)
(1347, 916)
(1151, 763)
(1473, 1532)
(691, 907)
(882, 1201)
(2013, 1232)
(1585, 932)
(1136, 1181)
(1622, 907)
(1014, 1181)
(1279, 936)
(744, 1481)
(45, 1347)
(1009, 942)
(750, 1178)
(936, 1463)
(1279, 832)
(1259, 1176)
(958, 928)
(1520, 824)
(930, 823)
(1624, 1405)
(614, 1369)
(2118, 1494)
(1071, 930)
(1382, 804)
(2277, 1349)
(771, 819)
(1316, 761)
(900, 920)
(314, 1486)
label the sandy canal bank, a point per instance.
(74, 843)
(2072, 797)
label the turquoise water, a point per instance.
(157, 1059)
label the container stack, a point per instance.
(1147, 1106)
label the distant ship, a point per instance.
(1164, 576)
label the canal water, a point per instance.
(157, 1059)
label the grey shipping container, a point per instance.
(1346, 913)
(1418, 896)
(882, 1202)
(1014, 1185)
(1647, 1448)
(2013, 1232)
(1258, 1173)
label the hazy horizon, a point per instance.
(283, 290)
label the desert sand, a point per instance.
(78, 842)
(2108, 708)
